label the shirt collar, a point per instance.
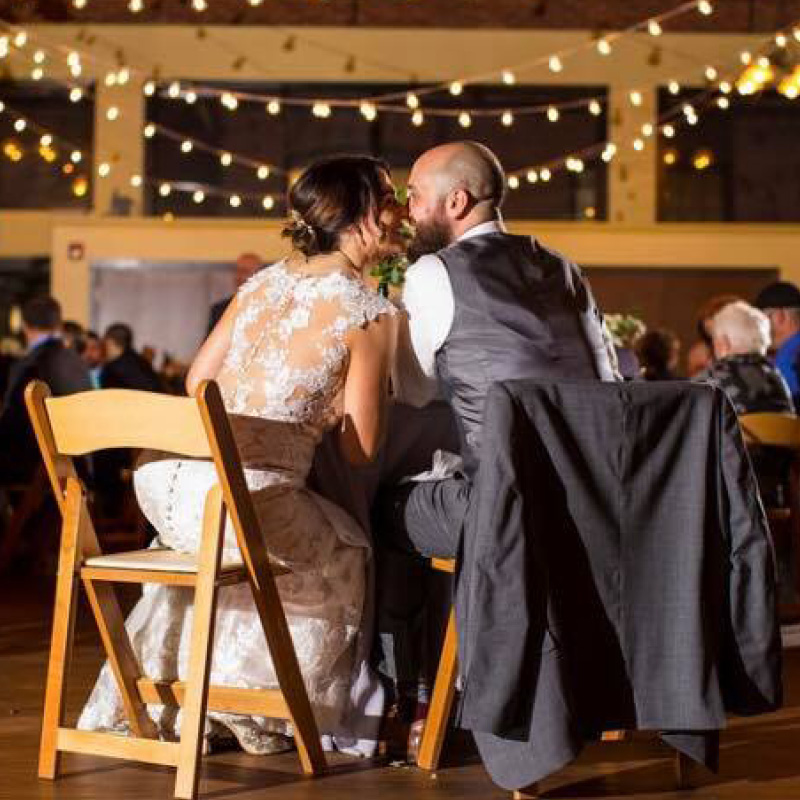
(791, 344)
(493, 226)
(40, 340)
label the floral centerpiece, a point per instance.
(624, 329)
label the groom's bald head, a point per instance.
(451, 189)
(469, 166)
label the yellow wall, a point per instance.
(589, 244)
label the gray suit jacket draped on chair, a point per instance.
(616, 573)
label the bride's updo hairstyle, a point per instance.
(331, 196)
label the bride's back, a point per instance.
(288, 354)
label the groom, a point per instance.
(483, 306)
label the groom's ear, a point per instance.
(458, 204)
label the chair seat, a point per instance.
(156, 559)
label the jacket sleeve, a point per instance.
(751, 664)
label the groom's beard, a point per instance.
(429, 237)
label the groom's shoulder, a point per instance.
(424, 268)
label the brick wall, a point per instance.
(730, 15)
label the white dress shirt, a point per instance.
(430, 305)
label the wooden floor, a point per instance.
(760, 758)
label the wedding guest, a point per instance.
(741, 338)
(247, 265)
(659, 353)
(708, 311)
(74, 336)
(94, 357)
(698, 358)
(780, 301)
(48, 360)
(125, 368)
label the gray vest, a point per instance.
(521, 311)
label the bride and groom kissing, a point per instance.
(309, 342)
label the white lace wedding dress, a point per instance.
(287, 362)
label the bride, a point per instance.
(304, 341)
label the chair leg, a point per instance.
(62, 636)
(442, 700)
(121, 657)
(290, 679)
(200, 651)
(683, 768)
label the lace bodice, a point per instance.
(288, 355)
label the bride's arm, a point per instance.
(366, 389)
(209, 358)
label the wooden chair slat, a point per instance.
(88, 421)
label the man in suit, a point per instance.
(125, 368)
(48, 360)
(246, 266)
(483, 306)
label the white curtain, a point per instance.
(166, 304)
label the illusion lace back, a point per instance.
(282, 383)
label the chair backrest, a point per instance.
(771, 429)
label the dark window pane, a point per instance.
(293, 138)
(33, 176)
(736, 165)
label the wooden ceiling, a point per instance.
(730, 15)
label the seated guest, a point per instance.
(698, 359)
(125, 368)
(47, 360)
(246, 266)
(741, 367)
(658, 352)
(93, 356)
(74, 336)
(780, 301)
(699, 356)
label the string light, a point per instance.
(37, 74)
(199, 5)
(513, 182)
(321, 110)
(263, 173)
(187, 146)
(190, 97)
(609, 151)
(136, 181)
(228, 99)
(165, 190)
(149, 88)
(781, 40)
(507, 119)
(417, 118)
(674, 87)
(368, 111)
(235, 200)
(464, 119)
(104, 170)
(456, 88)
(21, 39)
(595, 109)
(76, 156)
(653, 28)
(647, 129)
(604, 47)
(149, 130)
(226, 159)
(532, 176)
(268, 203)
(412, 101)
(705, 7)
(668, 131)
(39, 57)
(711, 74)
(638, 144)
(723, 102)
(20, 125)
(274, 107)
(555, 64)
(509, 79)
(174, 90)
(545, 175)
(635, 97)
(552, 114)
(199, 196)
(112, 114)
(135, 6)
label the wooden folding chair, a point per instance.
(782, 431)
(444, 688)
(197, 428)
